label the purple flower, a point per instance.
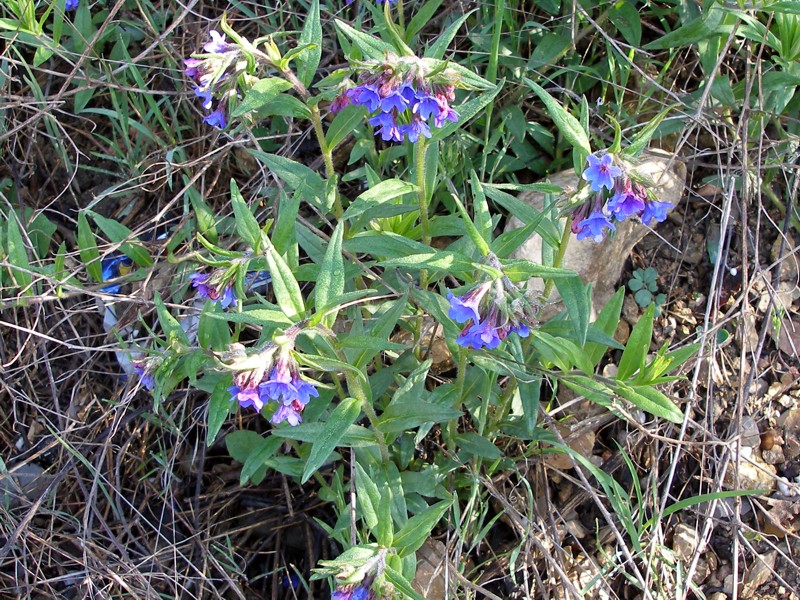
(394, 101)
(351, 593)
(387, 125)
(365, 95)
(487, 334)
(217, 45)
(445, 114)
(216, 119)
(654, 210)
(71, 4)
(285, 385)
(287, 412)
(205, 94)
(463, 308)
(145, 376)
(522, 330)
(228, 297)
(203, 289)
(426, 106)
(594, 226)
(415, 129)
(246, 397)
(625, 203)
(601, 172)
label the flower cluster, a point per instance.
(144, 370)
(264, 382)
(208, 287)
(213, 72)
(350, 592)
(70, 5)
(491, 311)
(616, 196)
(403, 97)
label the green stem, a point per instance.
(319, 131)
(354, 387)
(327, 157)
(422, 196)
(559, 259)
(400, 16)
(491, 76)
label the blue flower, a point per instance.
(285, 385)
(601, 172)
(594, 226)
(366, 96)
(246, 397)
(145, 376)
(655, 211)
(287, 412)
(625, 203)
(445, 114)
(487, 334)
(207, 291)
(394, 101)
(218, 45)
(216, 119)
(360, 592)
(387, 127)
(414, 130)
(426, 106)
(71, 4)
(205, 94)
(466, 307)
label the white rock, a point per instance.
(601, 264)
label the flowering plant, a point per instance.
(314, 318)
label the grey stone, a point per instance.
(601, 264)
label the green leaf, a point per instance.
(369, 497)
(422, 16)
(17, 253)
(287, 291)
(401, 416)
(262, 92)
(330, 284)
(607, 322)
(638, 346)
(418, 528)
(692, 32)
(643, 138)
(369, 44)
(118, 233)
(650, 400)
(480, 243)
(577, 298)
(401, 583)
(467, 110)
(439, 47)
(568, 125)
(258, 458)
(626, 19)
(377, 195)
(87, 248)
(246, 224)
(344, 123)
(219, 407)
(439, 260)
(384, 244)
(341, 418)
(355, 436)
(521, 270)
(308, 61)
(477, 445)
(299, 178)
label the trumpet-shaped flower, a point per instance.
(594, 226)
(600, 172)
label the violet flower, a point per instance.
(601, 172)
